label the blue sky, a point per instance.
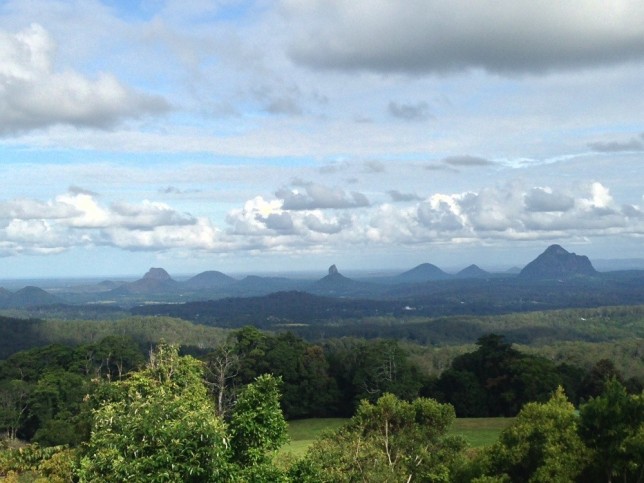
(255, 136)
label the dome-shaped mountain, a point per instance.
(425, 272)
(557, 263)
(207, 280)
(473, 271)
(156, 280)
(31, 297)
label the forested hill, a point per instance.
(20, 334)
(430, 299)
(280, 308)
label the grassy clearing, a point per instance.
(304, 431)
(478, 432)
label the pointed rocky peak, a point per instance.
(334, 275)
(158, 274)
(334, 284)
(557, 263)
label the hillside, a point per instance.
(210, 279)
(424, 272)
(557, 263)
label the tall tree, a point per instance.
(159, 424)
(390, 440)
(541, 445)
(257, 429)
(612, 426)
(222, 366)
(14, 402)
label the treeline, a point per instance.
(315, 318)
(20, 334)
(161, 424)
(42, 389)
(538, 329)
(331, 378)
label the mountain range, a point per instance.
(554, 266)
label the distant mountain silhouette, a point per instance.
(156, 280)
(557, 263)
(29, 297)
(208, 280)
(425, 272)
(473, 271)
(157, 274)
(335, 284)
(4, 294)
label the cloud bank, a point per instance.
(321, 218)
(431, 36)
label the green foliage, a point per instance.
(42, 389)
(307, 387)
(541, 445)
(391, 440)
(368, 369)
(14, 402)
(158, 424)
(55, 464)
(54, 405)
(595, 381)
(496, 379)
(612, 426)
(257, 426)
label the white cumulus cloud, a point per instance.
(34, 95)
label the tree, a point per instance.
(113, 357)
(507, 377)
(463, 390)
(157, 424)
(368, 369)
(595, 381)
(14, 401)
(541, 445)
(222, 365)
(55, 404)
(257, 425)
(612, 426)
(389, 441)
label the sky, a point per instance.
(262, 136)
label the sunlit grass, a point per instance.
(303, 433)
(478, 432)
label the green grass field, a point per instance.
(478, 432)
(304, 431)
